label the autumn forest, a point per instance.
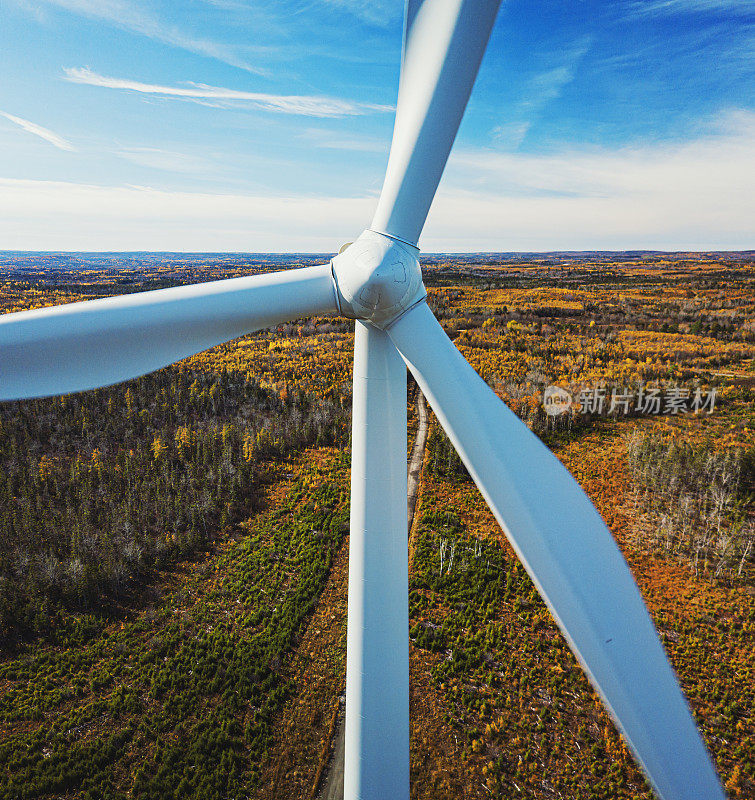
(174, 550)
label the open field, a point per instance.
(173, 551)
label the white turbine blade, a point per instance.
(443, 45)
(376, 758)
(571, 557)
(81, 346)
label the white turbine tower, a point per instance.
(556, 532)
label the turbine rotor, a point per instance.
(377, 278)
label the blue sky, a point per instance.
(245, 125)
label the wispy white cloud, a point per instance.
(132, 16)
(335, 141)
(33, 9)
(687, 195)
(374, 12)
(305, 105)
(720, 153)
(38, 130)
(652, 7)
(539, 91)
(693, 193)
(230, 5)
(43, 215)
(511, 134)
(547, 86)
(168, 160)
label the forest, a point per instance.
(102, 487)
(173, 550)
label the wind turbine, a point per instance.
(554, 529)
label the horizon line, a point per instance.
(733, 251)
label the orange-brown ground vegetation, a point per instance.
(510, 712)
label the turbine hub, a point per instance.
(377, 278)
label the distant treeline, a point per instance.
(97, 489)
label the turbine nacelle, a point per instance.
(377, 278)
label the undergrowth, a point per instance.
(515, 693)
(180, 702)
